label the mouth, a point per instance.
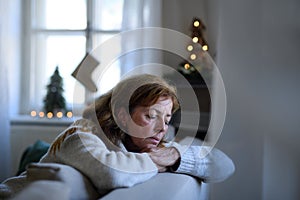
(154, 140)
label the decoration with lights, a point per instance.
(196, 52)
(54, 101)
(50, 115)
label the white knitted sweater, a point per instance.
(109, 166)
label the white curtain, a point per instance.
(7, 56)
(140, 14)
(4, 123)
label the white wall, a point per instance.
(281, 169)
(25, 132)
(281, 71)
(238, 59)
(258, 56)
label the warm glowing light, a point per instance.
(69, 114)
(41, 114)
(205, 47)
(49, 115)
(59, 114)
(193, 56)
(33, 113)
(190, 48)
(196, 23)
(187, 66)
(195, 39)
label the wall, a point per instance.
(281, 70)
(238, 59)
(25, 131)
(258, 56)
(281, 168)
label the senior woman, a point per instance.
(119, 142)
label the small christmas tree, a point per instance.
(54, 100)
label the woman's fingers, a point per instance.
(164, 156)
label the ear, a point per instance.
(122, 116)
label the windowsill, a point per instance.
(28, 120)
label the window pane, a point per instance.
(108, 14)
(65, 52)
(111, 75)
(61, 14)
(99, 38)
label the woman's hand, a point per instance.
(163, 157)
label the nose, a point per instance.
(161, 126)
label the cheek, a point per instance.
(140, 128)
(140, 131)
(140, 121)
(139, 142)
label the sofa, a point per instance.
(57, 181)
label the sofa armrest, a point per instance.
(163, 186)
(80, 186)
(41, 176)
(46, 190)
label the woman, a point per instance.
(119, 141)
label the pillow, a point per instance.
(33, 153)
(81, 187)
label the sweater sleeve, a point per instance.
(106, 169)
(206, 163)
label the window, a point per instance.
(59, 33)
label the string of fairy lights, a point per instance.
(51, 115)
(197, 37)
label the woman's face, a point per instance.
(148, 125)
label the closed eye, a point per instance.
(151, 116)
